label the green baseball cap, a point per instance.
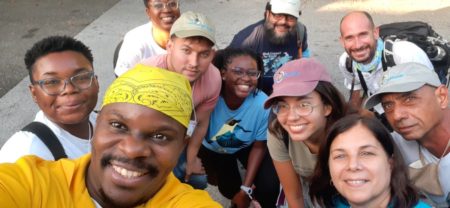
(191, 24)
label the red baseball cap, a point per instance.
(297, 78)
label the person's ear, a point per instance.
(441, 94)
(376, 32)
(266, 14)
(222, 74)
(327, 110)
(33, 92)
(169, 45)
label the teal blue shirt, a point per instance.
(340, 202)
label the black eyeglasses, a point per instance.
(53, 86)
(240, 72)
(171, 5)
(289, 18)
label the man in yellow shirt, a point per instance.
(140, 133)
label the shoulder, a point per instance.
(157, 61)
(405, 51)
(343, 59)
(139, 31)
(210, 81)
(422, 204)
(250, 34)
(177, 194)
(259, 100)
(251, 28)
(23, 143)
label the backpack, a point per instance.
(419, 33)
(46, 135)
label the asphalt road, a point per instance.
(24, 22)
(101, 24)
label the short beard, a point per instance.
(269, 30)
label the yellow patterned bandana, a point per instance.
(159, 89)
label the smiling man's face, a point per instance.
(134, 149)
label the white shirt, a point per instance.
(138, 44)
(26, 143)
(410, 153)
(403, 52)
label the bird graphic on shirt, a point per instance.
(226, 136)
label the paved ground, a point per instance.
(25, 21)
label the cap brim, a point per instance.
(193, 33)
(294, 89)
(375, 99)
(285, 11)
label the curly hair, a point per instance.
(54, 44)
(225, 56)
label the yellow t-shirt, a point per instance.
(33, 182)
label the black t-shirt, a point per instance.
(273, 56)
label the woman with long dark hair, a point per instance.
(359, 166)
(305, 104)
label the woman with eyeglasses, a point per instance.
(237, 133)
(149, 39)
(359, 166)
(305, 104)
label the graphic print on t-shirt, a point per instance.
(226, 136)
(274, 60)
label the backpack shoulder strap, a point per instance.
(349, 64)
(300, 35)
(387, 59)
(363, 83)
(46, 135)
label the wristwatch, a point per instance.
(247, 190)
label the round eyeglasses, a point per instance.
(53, 86)
(171, 5)
(288, 17)
(240, 72)
(283, 109)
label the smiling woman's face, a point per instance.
(360, 168)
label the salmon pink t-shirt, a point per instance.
(205, 90)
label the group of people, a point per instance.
(259, 119)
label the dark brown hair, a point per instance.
(323, 193)
(329, 95)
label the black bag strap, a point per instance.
(387, 58)
(349, 67)
(47, 136)
(300, 35)
(363, 83)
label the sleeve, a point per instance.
(405, 51)
(262, 128)
(13, 189)
(24, 143)
(277, 149)
(247, 37)
(211, 87)
(129, 55)
(348, 76)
